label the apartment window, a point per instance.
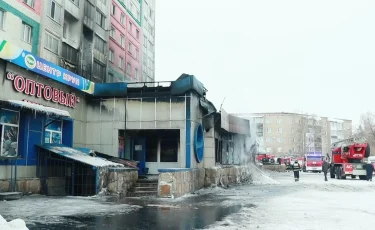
(128, 68)
(110, 78)
(2, 19)
(279, 121)
(268, 121)
(100, 19)
(269, 130)
(130, 27)
(122, 18)
(293, 130)
(99, 44)
(99, 72)
(113, 10)
(138, 15)
(294, 140)
(69, 53)
(268, 139)
(54, 11)
(279, 139)
(145, 41)
(279, 149)
(112, 32)
(111, 55)
(121, 62)
(52, 44)
(76, 2)
(131, 7)
(26, 35)
(122, 41)
(136, 73)
(151, 14)
(137, 34)
(29, 3)
(130, 47)
(280, 130)
(137, 54)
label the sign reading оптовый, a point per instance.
(43, 67)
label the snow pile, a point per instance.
(16, 224)
(40, 108)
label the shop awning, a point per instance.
(79, 156)
(39, 108)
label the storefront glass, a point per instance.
(9, 121)
(53, 132)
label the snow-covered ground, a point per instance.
(310, 203)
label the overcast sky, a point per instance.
(272, 56)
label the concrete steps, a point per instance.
(11, 195)
(145, 188)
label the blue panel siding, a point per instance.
(188, 133)
(67, 133)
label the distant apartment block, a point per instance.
(292, 133)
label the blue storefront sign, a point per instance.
(29, 61)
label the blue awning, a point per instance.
(76, 155)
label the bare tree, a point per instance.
(366, 129)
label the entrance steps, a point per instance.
(10, 195)
(145, 188)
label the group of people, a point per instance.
(296, 167)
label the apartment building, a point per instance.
(293, 133)
(148, 26)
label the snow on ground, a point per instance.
(16, 224)
(52, 209)
(310, 203)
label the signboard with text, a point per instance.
(29, 61)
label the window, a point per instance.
(113, 10)
(69, 53)
(293, 130)
(130, 47)
(279, 121)
(152, 150)
(26, 35)
(138, 15)
(122, 41)
(280, 130)
(130, 27)
(54, 11)
(294, 140)
(145, 41)
(110, 78)
(65, 29)
(151, 14)
(29, 3)
(111, 55)
(112, 32)
(103, 1)
(268, 139)
(100, 19)
(137, 54)
(99, 44)
(269, 130)
(2, 19)
(269, 149)
(268, 121)
(279, 149)
(129, 68)
(121, 63)
(99, 72)
(52, 44)
(9, 121)
(131, 7)
(53, 132)
(122, 18)
(137, 34)
(76, 2)
(136, 73)
(168, 150)
(89, 11)
(279, 139)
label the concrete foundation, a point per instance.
(119, 181)
(178, 182)
(24, 185)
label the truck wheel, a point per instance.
(362, 177)
(354, 176)
(368, 151)
(332, 172)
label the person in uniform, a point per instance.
(369, 170)
(296, 168)
(325, 168)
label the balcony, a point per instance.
(72, 9)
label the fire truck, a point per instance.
(347, 158)
(313, 162)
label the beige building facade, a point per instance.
(296, 134)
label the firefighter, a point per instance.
(325, 168)
(296, 168)
(369, 170)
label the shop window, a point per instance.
(152, 150)
(53, 131)
(9, 125)
(168, 150)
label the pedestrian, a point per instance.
(369, 170)
(296, 168)
(325, 168)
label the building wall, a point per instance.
(148, 27)
(195, 119)
(16, 12)
(78, 114)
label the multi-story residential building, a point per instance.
(293, 133)
(148, 24)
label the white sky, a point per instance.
(272, 56)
